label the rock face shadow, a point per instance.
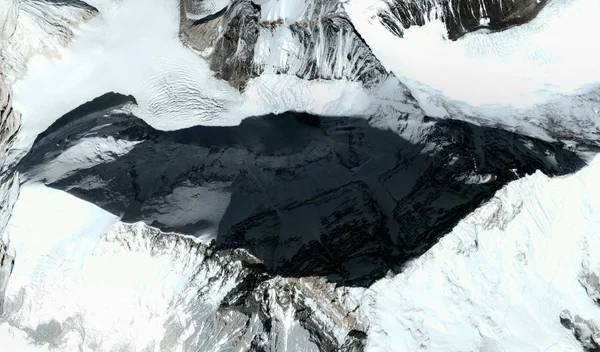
(307, 195)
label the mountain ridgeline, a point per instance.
(307, 195)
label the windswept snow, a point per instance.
(500, 280)
(29, 28)
(276, 94)
(520, 66)
(130, 47)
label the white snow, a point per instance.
(109, 285)
(500, 279)
(287, 10)
(549, 59)
(132, 47)
(188, 204)
(15, 340)
(279, 93)
(28, 28)
(85, 154)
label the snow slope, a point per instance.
(130, 47)
(501, 279)
(33, 27)
(63, 276)
(133, 47)
(84, 281)
(503, 77)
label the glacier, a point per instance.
(299, 175)
(525, 78)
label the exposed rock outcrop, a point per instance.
(585, 331)
(315, 40)
(10, 120)
(9, 184)
(227, 40)
(460, 17)
(214, 298)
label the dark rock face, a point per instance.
(10, 121)
(230, 36)
(328, 45)
(308, 195)
(586, 331)
(323, 38)
(462, 16)
(203, 10)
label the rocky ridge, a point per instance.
(377, 197)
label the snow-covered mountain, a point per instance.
(518, 274)
(540, 78)
(30, 28)
(299, 175)
(99, 284)
(376, 196)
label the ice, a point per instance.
(271, 93)
(131, 47)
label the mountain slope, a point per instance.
(135, 288)
(540, 78)
(347, 200)
(518, 274)
(299, 175)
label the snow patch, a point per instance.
(105, 284)
(287, 10)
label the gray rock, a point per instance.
(585, 331)
(329, 46)
(460, 17)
